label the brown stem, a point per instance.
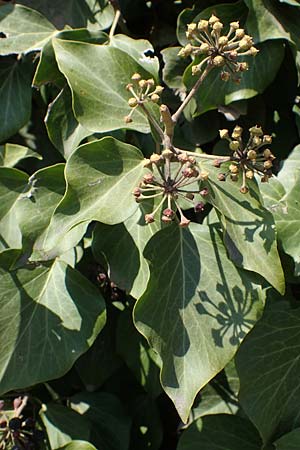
(191, 94)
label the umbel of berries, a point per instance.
(248, 158)
(172, 177)
(218, 48)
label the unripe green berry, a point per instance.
(256, 131)
(237, 132)
(234, 145)
(132, 102)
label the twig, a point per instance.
(193, 91)
(115, 23)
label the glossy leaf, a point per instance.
(289, 441)
(98, 76)
(262, 70)
(15, 96)
(12, 154)
(78, 445)
(25, 29)
(288, 172)
(56, 313)
(193, 313)
(100, 176)
(249, 229)
(270, 356)
(220, 432)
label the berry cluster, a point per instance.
(171, 179)
(16, 431)
(206, 39)
(142, 92)
(250, 158)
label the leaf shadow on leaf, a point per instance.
(231, 316)
(259, 224)
(42, 345)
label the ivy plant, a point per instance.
(149, 224)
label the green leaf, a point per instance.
(98, 76)
(131, 238)
(15, 95)
(215, 92)
(63, 425)
(288, 172)
(271, 20)
(13, 182)
(248, 228)
(63, 129)
(287, 218)
(78, 445)
(226, 12)
(290, 441)
(269, 360)
(137, 49)
(174, 66)
(135, 351)
(193, 313)
(100, 177)
(12, 154)
(25, 29)
(110, 423)
(30, 211)
(55, 312)
(220, 432)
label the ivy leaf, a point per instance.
(131, 238)
(100, 177)
(63, 129)
(138, 49)
(110, 424)
(25, 29)
(97, 76)
(220, 432)
(248, 228)
(287, 218)
(15, 95)
(215, 92)
(270, 357)
(290, 441)
(78, 445)
(288, 172)
(56, 313)
(174, 66)
(12, 154)
(194, 314)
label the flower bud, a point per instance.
(224, 134)
(268, 164)
(17, 402)
(168, 212)
(129, 86)
(155, 98)
(256, 141)
(240, 33)
(233, 168)
(244, 190)
(253, 51)
(132, 102)
(155, 158)
(234, 25)
(184, 222)
(242, 67)
(218, 61)
(199, 207)
(186, 51)
(234, 177)
(264, 179)
(237, 132)
(166, 219)
(148, 178)
(213, 19)
(256, 131)
(216, 163)
(195, 70)
(183, 157)
(246, 43)
(128, 119)
(192, 27)
(221, 177)
(143, 83)
(223, 40)
(167, 154)
(217, 26)
(234, 145)
(188, 172)
(204, 48)
(147, 163)
(192, 160)
(158, 90)
(149, 218)
(267, 153)
(137, 192)
(267, 139)
(249, 174)
(203, 25)
(204, 192)
(233, 55)
(204, 174)
(251, 154)
(150, 82)
(136, 77)
(225, 76)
